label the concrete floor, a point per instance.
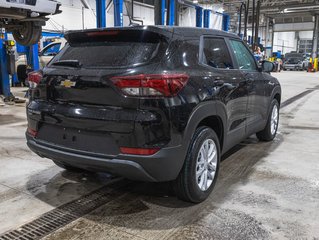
(264, 191)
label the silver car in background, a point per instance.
(295, 61)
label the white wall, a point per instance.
(285, 42)
(71, 19)
(187, 18)
(306, 35)
(216, 21)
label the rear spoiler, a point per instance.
(140, 33)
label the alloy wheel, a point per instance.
(206, 164)
(274, 120)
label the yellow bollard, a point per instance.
(315, 64)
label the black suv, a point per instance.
(151, 104)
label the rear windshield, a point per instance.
(112, 48)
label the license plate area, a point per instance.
(77, 139)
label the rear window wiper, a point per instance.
(68, 63)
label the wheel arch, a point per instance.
(210, 114)
(215, 123)
(275, 94)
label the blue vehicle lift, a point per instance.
(118, 12)
(207, 13)
(32, 61)
(5, 78)
(6, 69)
(101, 13)
(33, 57)
(226, 22)
(199, 16)
(163, 8)
(171, 12)
(159, 12)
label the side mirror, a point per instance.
(268, 67)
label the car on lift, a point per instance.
(25, 18)
(45, 56)
(151, 103)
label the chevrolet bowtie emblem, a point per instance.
(67, 83)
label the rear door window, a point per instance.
(112, 48)
(215, 53)
(244, 57)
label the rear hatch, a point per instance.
(81, 72)
(77, 92)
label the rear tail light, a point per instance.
(34, 79)
(151, 85)
(139, 151)
(32, 132)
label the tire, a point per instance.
(28, 35)
(270, 131)
(68, 167)
(187, 185)
(22, 74)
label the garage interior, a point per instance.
(265, 190)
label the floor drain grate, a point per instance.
(61, 216)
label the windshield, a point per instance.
(51, 50)
(118, 49)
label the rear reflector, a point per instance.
(32, 132)
(139, 151)
(151, 85)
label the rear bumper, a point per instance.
(165, 165)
